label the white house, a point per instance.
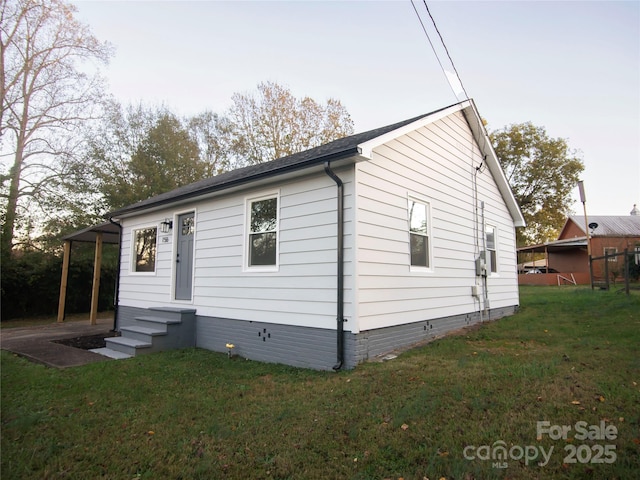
(328, 257)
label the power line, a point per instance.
(478, 121)
(444, 70)
(424, 29)
(446, 49)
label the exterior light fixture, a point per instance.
(166, 225)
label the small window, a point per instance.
(611, 251)
(492, 257)
(144, 244)
(419, 233)
(263, 232)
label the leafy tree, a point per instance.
(213, 134)
(46, 93)
(542, 172)
(136, 152)
(167, 158)
(274, 123)
(153, 158)
(104, 168)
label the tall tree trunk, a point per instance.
(43, 91)
(12, 205)
(15, 175)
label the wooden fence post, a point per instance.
(626, 271)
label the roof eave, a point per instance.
(366, 148)
(493, 163)
(468, 109)
(134, 209)
(110, 234)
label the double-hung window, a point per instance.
(492, 256)
(262, 241)
(144, 249)
(419, 224)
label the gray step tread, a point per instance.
(145, 330)
(166, 321)
(107, 352)
(129, 342)
(178, 310)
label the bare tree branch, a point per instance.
(45, 97)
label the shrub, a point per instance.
(31, 283)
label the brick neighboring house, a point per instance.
(567, 256)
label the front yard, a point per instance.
(552, 392)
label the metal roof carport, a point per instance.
(104, 233)
(555, 246)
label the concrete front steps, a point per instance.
(164, 328)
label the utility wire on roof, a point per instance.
(424, 29)
(452, 77)
(446, 50)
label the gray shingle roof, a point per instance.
(341, 148)
(611, 225)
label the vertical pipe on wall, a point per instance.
(340, 262)
(485, 283)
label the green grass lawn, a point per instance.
(570, 355)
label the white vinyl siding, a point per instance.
(436, 161)
(145, 289)
(303, 290)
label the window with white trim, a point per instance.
(419, 223)
(144, 250)
(492, 255)
(262, 241)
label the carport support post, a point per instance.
(95, 292)
(63, 280)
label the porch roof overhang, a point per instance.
(556, 246)
(106, 232)
(110, 234)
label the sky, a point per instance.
(571, 67)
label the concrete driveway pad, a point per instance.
(36, 343)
